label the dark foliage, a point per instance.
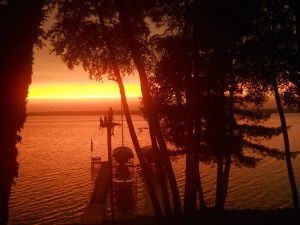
(19, 33)
(214, 67)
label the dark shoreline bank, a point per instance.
(227, 217)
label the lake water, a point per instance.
(55, 176)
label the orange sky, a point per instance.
(55, 87)
(53, 80)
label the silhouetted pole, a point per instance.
(122, 124)
(108, 123)
(109, 127)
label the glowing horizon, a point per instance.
(53, 80)
(93, 90)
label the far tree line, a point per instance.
(206, 68)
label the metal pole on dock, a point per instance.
(109, 127)
(122, 124)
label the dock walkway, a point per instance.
(95, 211)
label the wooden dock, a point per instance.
(96, 209)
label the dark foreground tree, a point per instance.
(88, 34)
(136, 34)
(204, 96)
(273, 59)
(19, 26)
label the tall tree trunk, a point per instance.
(231, 145)
(195, 109)
(161, 174)
(225, 175)
(201, 193)
(194, 114)
(153, 119)
(219, 139)
(286, 147)
(193, 106)
(297, 14)
(194, 185)
(189, 108)
(145, 168)
(198, 114)
(219, 183)
(223, 172)
(297, 18)
(189, 154)
(19, 33)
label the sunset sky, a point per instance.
(53, 80)
(55, 87)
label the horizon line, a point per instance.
(80, 112)
(91, 98)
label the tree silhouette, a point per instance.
(89, 34)
(274, 50)
(19, 33)
(132, 22)
(202, 87)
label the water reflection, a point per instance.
(57, 186)
(124, 184)
(124, 196)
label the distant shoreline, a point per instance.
(80, 113)
(116, 112)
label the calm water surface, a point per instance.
(56, 179)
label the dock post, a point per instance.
(109, 127)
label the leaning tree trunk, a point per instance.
(19, 25)
(145, 168)
(203, 204)
(161, 174)
(225, 181)
(297, 22)
(286, 147)
(153, 119)
(231, 145)
(154, 122)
